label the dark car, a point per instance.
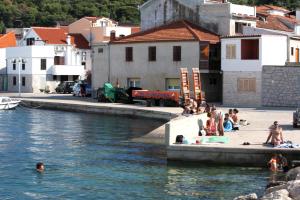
(65, 87)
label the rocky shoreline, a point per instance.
(280, 190)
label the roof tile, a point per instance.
(8, 40)
(176, 31)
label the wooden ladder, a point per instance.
(197, 84)
(185, 85)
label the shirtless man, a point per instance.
(276, 134)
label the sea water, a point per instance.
(90, 156)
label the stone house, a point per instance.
(218, 16)
(45, 57)
(243, 60)
(97, 29)
(152, 59)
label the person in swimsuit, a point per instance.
(275, 134)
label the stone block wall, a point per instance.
(231, 95)
(281, 86)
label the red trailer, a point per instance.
(166, 98)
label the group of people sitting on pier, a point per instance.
(218, 123)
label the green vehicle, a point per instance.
(108, 93)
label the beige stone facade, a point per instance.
(232, 94)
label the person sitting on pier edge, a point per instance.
(235, 116)
(275, 134)
(210, 128)
(218, 116)
(227, 123)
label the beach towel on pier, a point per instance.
(288, 145)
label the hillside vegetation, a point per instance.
(26, 13)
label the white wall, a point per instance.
(243, 10)
(295, 44)
(2, 61)
(119, 31)
(32, 34)
(238, 64)
(274, 50)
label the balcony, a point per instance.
(61, 70)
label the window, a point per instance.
(172, 84)
(250, 49)
(134, 82)
(129, 54)
(176, 53)
(84, 64)
(204, 52)
(292, 51)
(239, 27)
(54, 78)
(14, 80)
(230, 51)
(30, 41)
(152, 54)
(23, 64)
(23, 81)
(100, 50)
(14, 64)
(246, 85)
(43, 64)
(59, 60)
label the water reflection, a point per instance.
(208, 182)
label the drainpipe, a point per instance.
(288, 49)
(108, 62)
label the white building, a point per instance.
(242, 61)
(46, 57)
(152, 59)
(218, 16)
(97, 29)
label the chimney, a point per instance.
(68, 40)
(112, 35)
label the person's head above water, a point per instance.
(40, 167)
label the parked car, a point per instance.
(77, 88)
(65, 87)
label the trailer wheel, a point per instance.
(161, 102)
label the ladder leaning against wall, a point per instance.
(185, 85)
(197, 85)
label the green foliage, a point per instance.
(26, 13)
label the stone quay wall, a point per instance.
(281, 86)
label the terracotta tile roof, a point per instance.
(176, 31)
(56, 35)
(51, 35)
(275, 22)
(8, 40)
(135, 29)
(79, 41)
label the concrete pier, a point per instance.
(232, 153)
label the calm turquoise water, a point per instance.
(92, 157)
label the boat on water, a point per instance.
(7, 103)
